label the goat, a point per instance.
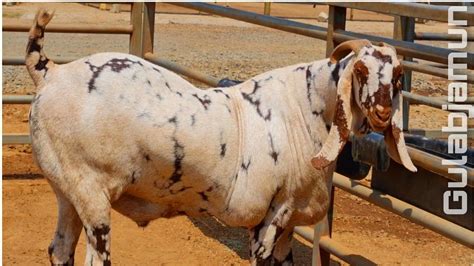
(112, 130)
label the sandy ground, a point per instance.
(222, 48)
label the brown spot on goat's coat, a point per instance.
(384, 58)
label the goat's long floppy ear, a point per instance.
(342, 121)
(394, 138)
(340, 127)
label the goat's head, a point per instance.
(368, 94)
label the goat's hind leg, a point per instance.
(94, 210)
(61, 250)
(91, 201)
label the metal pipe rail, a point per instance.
(426, 52)
(414, 98)
(432, 70)
(451, 230)
(434, 164)
(437, 133)
(16, 139)
(196, 75)
(333, 247)
(262, 20)
(434, 36)
(320, 33)
(438, 13)
(72, 28)
(469, 100)
(429, 101)
(19, 61)
(17, 99)
(415, 50)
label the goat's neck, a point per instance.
(316, 95)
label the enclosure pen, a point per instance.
(141, 32)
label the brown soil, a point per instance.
(222, 48)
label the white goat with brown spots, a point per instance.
(115, 131)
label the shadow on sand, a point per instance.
(237, 240)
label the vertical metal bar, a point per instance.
(323, 229)
(148, 27)
(336, 21)
(266, 8)
(404, 30)
(136, 37)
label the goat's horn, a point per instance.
(345, 48)
(387, 45)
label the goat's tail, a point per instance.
(36, 61)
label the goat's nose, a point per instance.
(383, 113)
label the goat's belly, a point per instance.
(197, 195)
(193, 194)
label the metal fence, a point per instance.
(141, 33)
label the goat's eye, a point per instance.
(358, 72)
(397, 83)
(397, 78)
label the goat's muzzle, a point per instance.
(379, 118)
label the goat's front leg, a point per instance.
(270, 241)
(61, 250)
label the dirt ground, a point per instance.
(222, 48)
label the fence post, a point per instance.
(336, 21)
(266, 8)
(136, 37)
(148, 27)
(404, 30)
(323, 228)
(142, 18)
(115, 8)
